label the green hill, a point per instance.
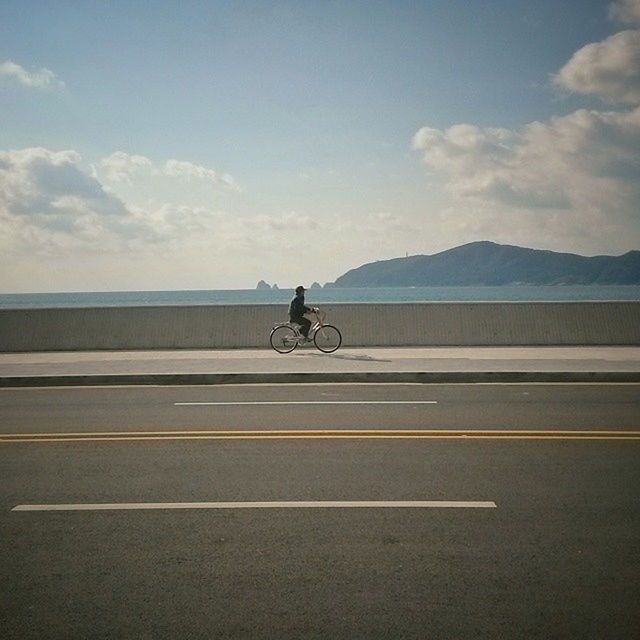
(491, 264)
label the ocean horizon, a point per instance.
(319, 296)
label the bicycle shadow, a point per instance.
(343, 356)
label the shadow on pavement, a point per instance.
(344, 356)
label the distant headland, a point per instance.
(490, 264)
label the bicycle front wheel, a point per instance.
(283, 339)
(327, 338)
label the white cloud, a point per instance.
(42, 79)
(609, 69)
(48, 201)
(121, 167)
(39, 182)
(576, 168)
(625, 11)
(290, 222)
(190, 170)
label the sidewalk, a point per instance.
(362, 364)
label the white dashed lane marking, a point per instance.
(305, 402)
(132, 506)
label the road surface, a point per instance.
(321, 511)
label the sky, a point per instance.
(213, 144)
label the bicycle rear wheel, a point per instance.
(327, 338)
(283, 339)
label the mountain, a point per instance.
(490, 264)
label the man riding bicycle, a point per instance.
(297, 309)
(286, 336)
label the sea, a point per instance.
(318, 296)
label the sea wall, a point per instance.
(362, 324)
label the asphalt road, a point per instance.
(558, 556)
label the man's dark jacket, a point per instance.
(297, 308)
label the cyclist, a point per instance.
(297, 309)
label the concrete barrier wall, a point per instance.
(364, 324)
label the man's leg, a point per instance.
(305, 325)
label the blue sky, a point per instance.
(213, 144)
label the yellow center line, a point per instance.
(512, 434)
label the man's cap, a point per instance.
(300, 288)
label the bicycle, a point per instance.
(286, 336)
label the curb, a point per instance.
(418, 377)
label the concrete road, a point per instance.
(557, 557)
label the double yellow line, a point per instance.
(335, 434)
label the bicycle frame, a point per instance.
(320, 316)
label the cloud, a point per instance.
(123, 167)
(609, 69)
(625, 11)
(42, 79)
(557, 164)
(583, 164)
(39, 182)
(290, 222)
(48, 201)
(181, 168)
